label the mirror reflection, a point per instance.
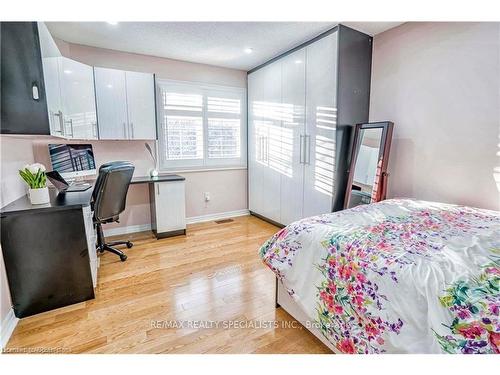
(368, 158)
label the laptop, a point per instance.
(62, 185)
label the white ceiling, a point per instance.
(214, 43)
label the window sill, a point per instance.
(192, 170)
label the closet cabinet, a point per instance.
(299, 130)
(125, 104)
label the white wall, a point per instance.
(440, 85)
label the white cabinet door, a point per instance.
(321, 121)
(78, 99)
(271, 115)
(111, 97)
(255, 143)
(170, 206)
(141, 105)
(50, 63)
(292, 132)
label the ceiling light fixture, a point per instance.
(114, 23)
(298, 61)
(67, 71)
(248, 50)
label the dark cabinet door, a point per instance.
(46, 259)
(24, 105)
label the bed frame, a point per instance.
(287, 303)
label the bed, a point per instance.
(399, 276)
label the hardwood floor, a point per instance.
(212, 275)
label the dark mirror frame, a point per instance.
(385, 146)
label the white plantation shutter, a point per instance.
(200, 126)
(224, 125)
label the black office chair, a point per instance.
(108, 201)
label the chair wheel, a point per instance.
(123, 258)
(129, 244)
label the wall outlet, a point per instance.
(207, 197)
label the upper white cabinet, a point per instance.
(125, 104)
(78, 99)
(141, 105)
(50, 63)
(298, 143)
(111, 97)
(69, 88)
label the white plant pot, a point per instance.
(153, 172)
(39, 196)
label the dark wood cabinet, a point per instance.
(23, 100)
(49, 252)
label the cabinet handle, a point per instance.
(56, 114)
(307, 149)
(59, 114)
(35, 93)
(70, 122)
(132, 129)
(262, 148)
(267, 149)
(125, 131)
(157, 189)
(94, 129)
(301, 149)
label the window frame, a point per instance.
(204, 163)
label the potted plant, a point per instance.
(34, 176)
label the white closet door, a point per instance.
(141, 105)
(255, 143)
(271, 114)
(321, 121)
(78, 98)
(292, 132)
(111, 103)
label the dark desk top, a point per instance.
(58, 201)
(73, 199)
(152, 180)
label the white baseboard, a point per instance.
(8, 325)
(189, 220)
(218, 216)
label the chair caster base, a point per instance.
(129, 245)
(123, 258)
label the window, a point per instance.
(200, 126)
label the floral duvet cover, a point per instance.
(400, 276)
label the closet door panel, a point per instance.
(78, 99)
(292, 132)
(141, 105)
(111, 103)
(270, 109)
(321, 121)
(255, 136)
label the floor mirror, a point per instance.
(367, 182)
